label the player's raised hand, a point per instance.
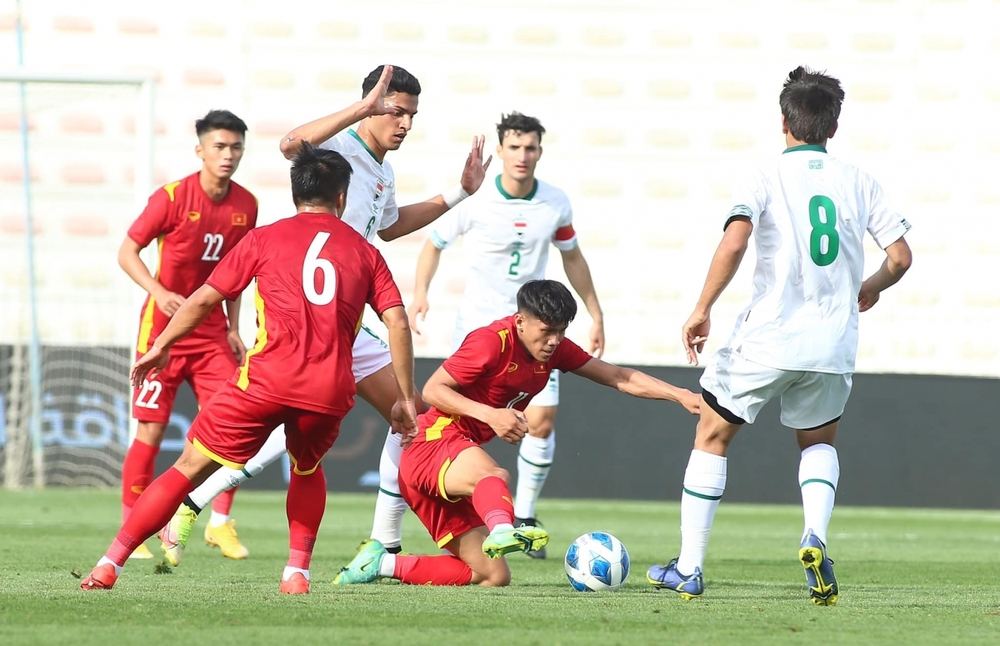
(867, 298)
(149, 364)
(374, 101)
(417, 311)
(510, 425)
(597, 339)
(475, 169)
(169, 302)
(694, 334)
(237, 346)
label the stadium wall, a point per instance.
(906, 440)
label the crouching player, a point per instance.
(456, 489)
(314, 275)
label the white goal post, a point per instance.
(48, 379)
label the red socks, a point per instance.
(493, 502)
(304, 505)
(151, 512)
(224, 502)
(137, 473)
(432, 570)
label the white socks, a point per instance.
(819, 474)
(534, 459)
(225, 478)
(704, 483)
(387, 526)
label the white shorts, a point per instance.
(371, 354)
(809, 400)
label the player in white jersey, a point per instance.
(798, 338)
(386, 111)
(507, 229)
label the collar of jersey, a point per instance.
(793, 149)
(362, 142)
(534, 189)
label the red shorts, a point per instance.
(421, 483)
(233, 426)
(206, 372)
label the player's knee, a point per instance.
(499, 472)
(151, 433)
(541, 428)
(496, 578)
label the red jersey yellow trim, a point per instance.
(434, 431)
(449, 537)
(441, 489)
(295, 466)
(244, 379)
(146, 326)
(169, 188)
(216, 458)
(503, 339)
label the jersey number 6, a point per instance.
(314, 263)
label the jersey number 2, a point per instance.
(213, 247)
(823, 230)
(314, 263)
(516, 255)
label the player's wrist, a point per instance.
(452, 196)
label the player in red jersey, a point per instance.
(195, 223)
(314, 275)
(456, 489)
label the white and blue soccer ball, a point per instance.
(597, 561)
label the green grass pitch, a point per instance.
(907, 577)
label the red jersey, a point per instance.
(314, 275)
(193, 234)
(493, 368)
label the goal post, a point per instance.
(73, 177)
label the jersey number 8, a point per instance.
(823, 229)
(310, 265)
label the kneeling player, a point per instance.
(314, 275)
(456, 489)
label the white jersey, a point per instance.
(371, 196)
(810, 212)
(506, 245)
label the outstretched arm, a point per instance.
(189, 316)
(443, 392)
(322, 129)
(724, 265)
(578, 273)
(416, 216)
(427, 265)
(638, 384)
(898, 259)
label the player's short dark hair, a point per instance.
(810, 103)
(517, 122)
(401, 81)
(318, 175)
(220, 120)
(548, 301)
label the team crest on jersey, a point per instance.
(379, 188)
(511, 367)
(541, 368)
(194, 216)
(520, 226)
(239, 219)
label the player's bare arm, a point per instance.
(427, 264)
(578, 272)
(129, 260)
(725, 263)
(442, 392)
(189, 316)
(638, 384)
(898, 259)
(233, 333)
(322, 129)
(401, 351)
(416, 216)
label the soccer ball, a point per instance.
(597, 561)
